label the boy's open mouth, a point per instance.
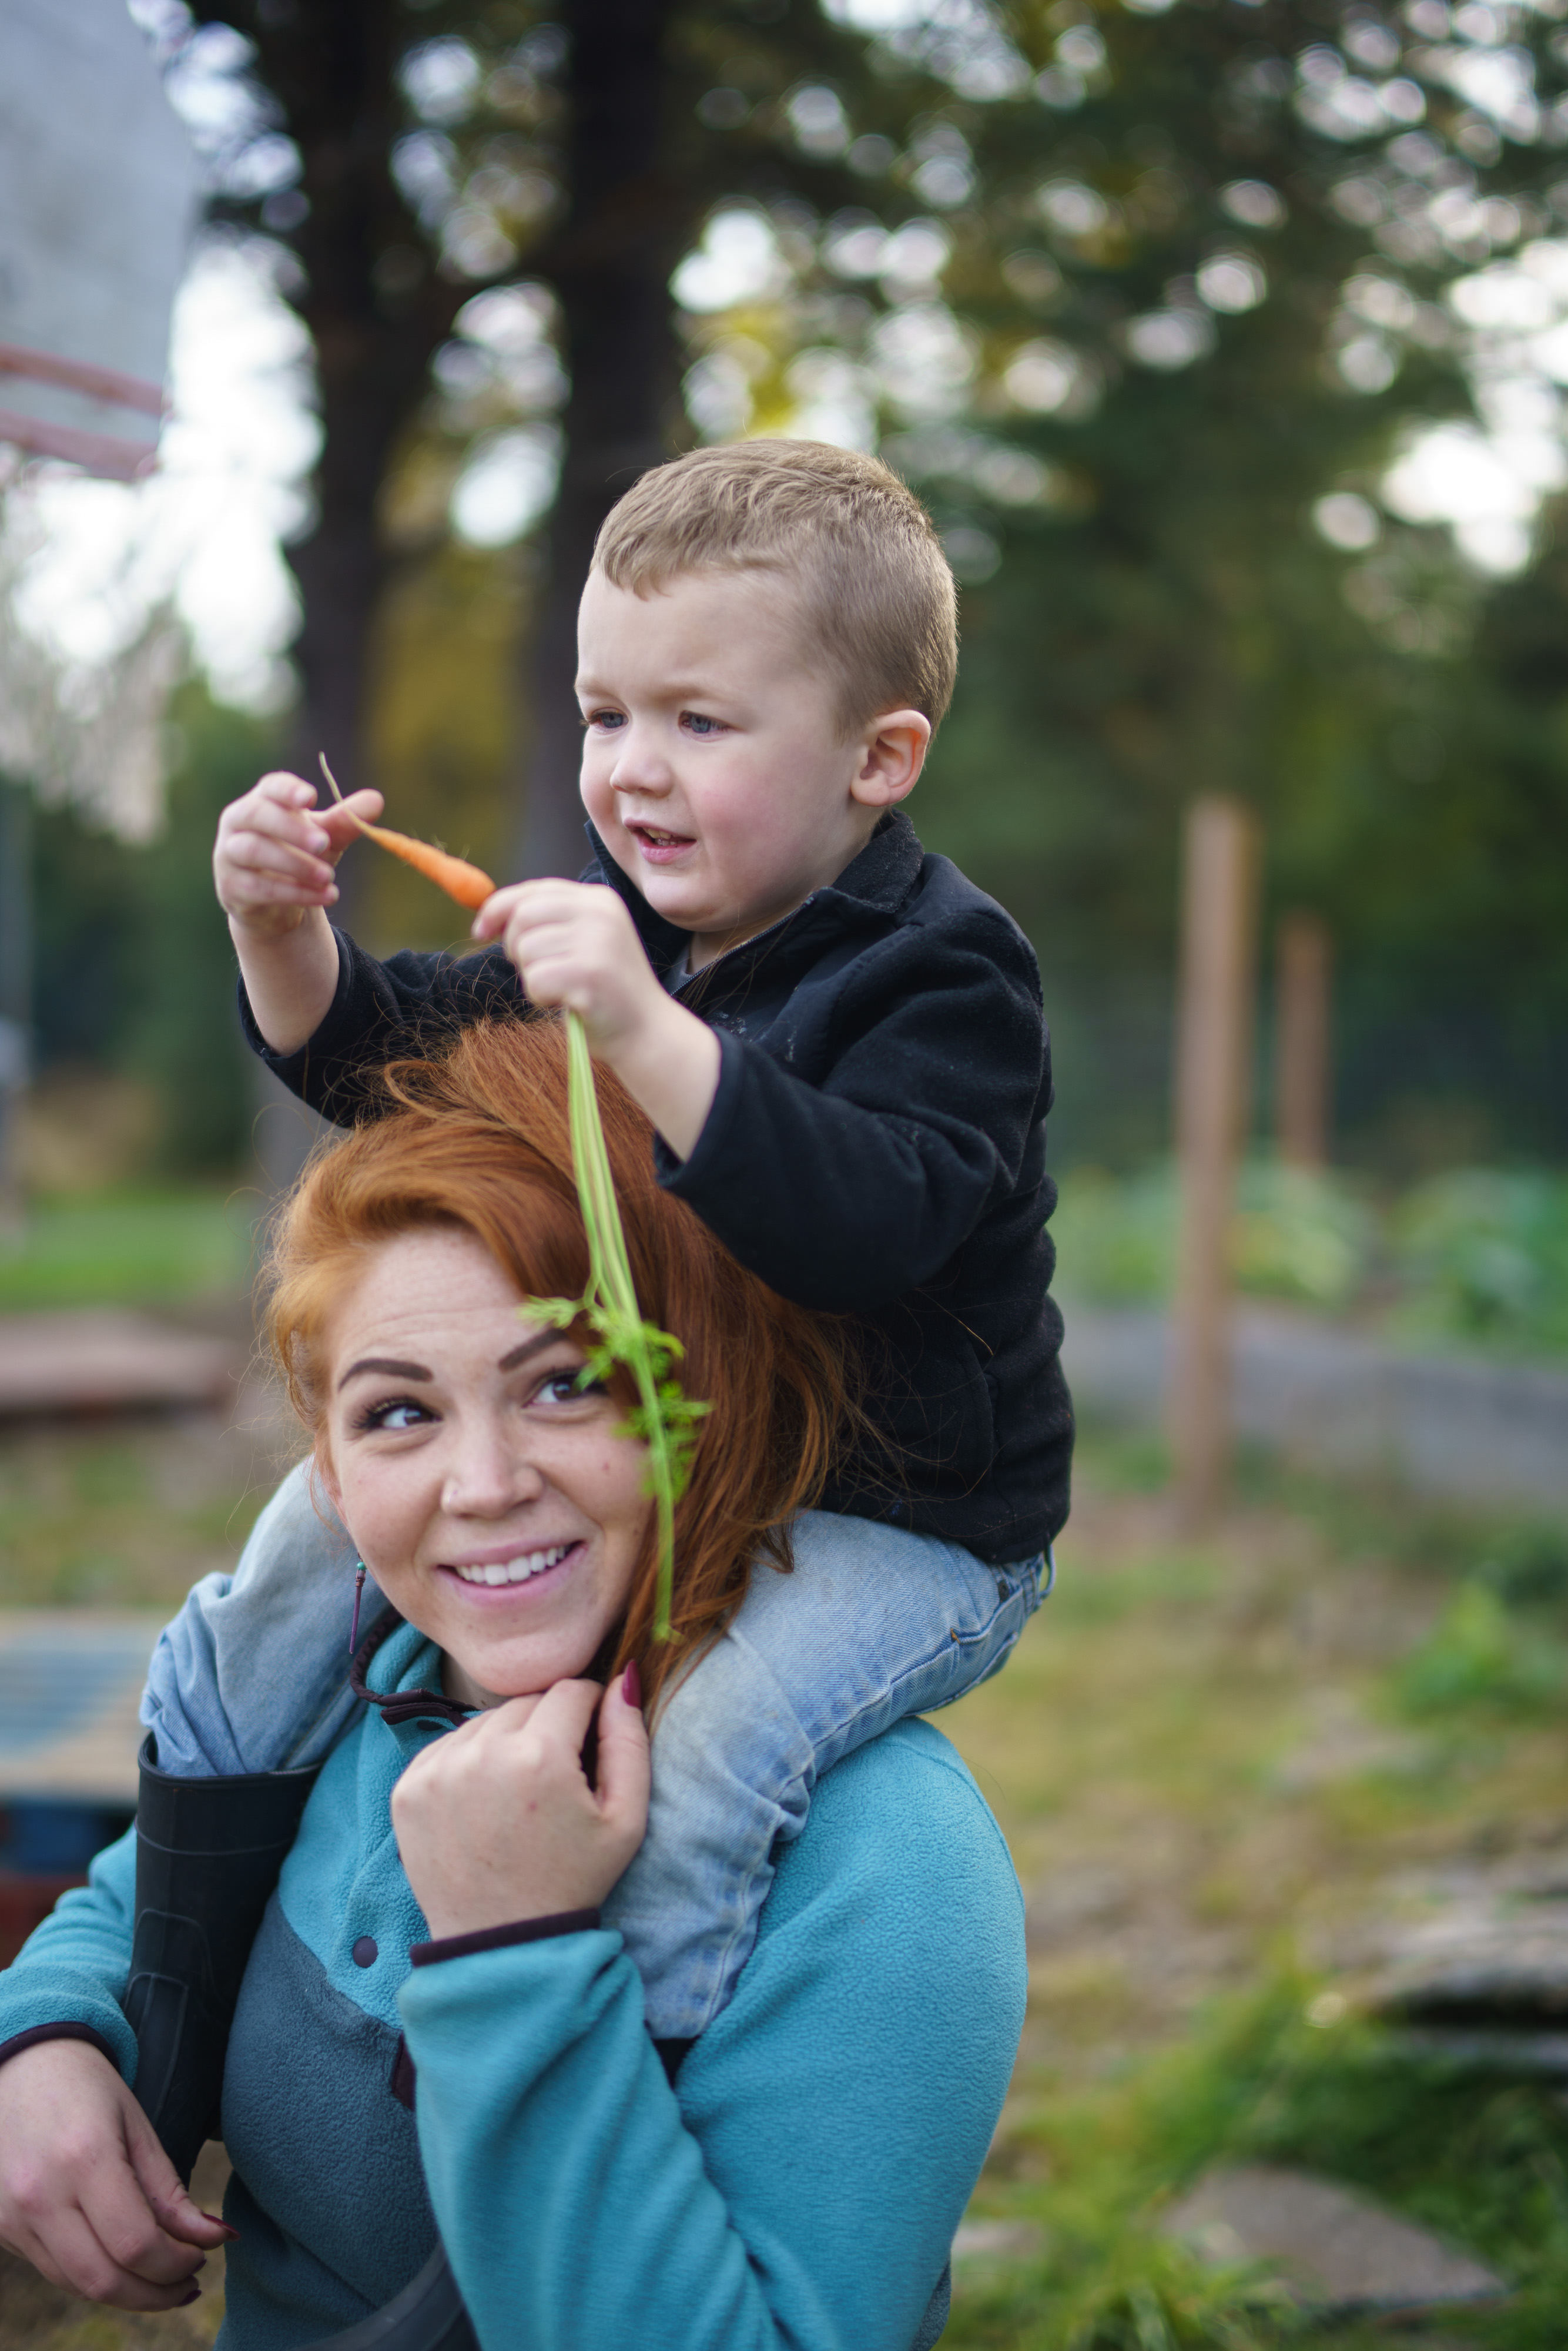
(657, 846)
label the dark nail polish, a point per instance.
(187, 2299)
(632, 1685)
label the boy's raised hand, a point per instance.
(275, 853)
(575, 946)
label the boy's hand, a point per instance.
(275, 853)
(575, 944)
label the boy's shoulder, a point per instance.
(897, 908)
(932, 923)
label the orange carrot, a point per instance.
(460, 880)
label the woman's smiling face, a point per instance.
(493, 1502)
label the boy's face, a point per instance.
(713, 766)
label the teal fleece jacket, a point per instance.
(799, 2187)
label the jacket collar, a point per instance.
(865, 896)
(396, 1688)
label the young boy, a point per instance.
(840, 1042)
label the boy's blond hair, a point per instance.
(875, 592)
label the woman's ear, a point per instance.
(892, 752)
(321, 1475)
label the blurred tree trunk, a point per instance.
(377, 311)
(625, 229)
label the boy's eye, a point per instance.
(609, 720)
(695, 723)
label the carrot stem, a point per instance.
(663, 1418)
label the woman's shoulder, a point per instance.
(912, 1770)
(899, 1836)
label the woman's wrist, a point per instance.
(36, 2035)
(500, 1938)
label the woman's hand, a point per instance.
(497, 1823)
(87, 2193)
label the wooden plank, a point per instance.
(70, 1687)
(96, 1360)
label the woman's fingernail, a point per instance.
(632, 1685)
(187, 2299)
(219, 2222)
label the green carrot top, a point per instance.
(663, 1418)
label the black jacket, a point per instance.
(876, 1147)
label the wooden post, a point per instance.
(1301, 1041)
(1214, 1041)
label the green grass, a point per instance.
(118, 1519)
(1480, 2160)
(128, 1248)
(1477, 1257)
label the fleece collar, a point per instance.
(865, 898)
(391, 1669)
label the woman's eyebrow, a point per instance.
(388, 1366)
(541, 1339)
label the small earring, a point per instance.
(354, 1627)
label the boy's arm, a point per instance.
(842, 1194)
(845, 1194)
(273, 868)
(378, 1013)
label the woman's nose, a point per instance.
(488, 1478)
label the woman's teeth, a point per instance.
(515, 1570)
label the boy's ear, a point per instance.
(892, 752)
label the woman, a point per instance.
(436, 2032)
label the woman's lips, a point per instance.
(528, 1571)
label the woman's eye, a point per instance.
(561, 1387)
(397, 1413)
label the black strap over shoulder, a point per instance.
(208, 1853)
(427, 2315)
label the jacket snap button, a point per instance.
(366, 1951)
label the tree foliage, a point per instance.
(1129, 291)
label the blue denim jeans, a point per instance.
(872, 1624)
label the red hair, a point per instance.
(478, 1142)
